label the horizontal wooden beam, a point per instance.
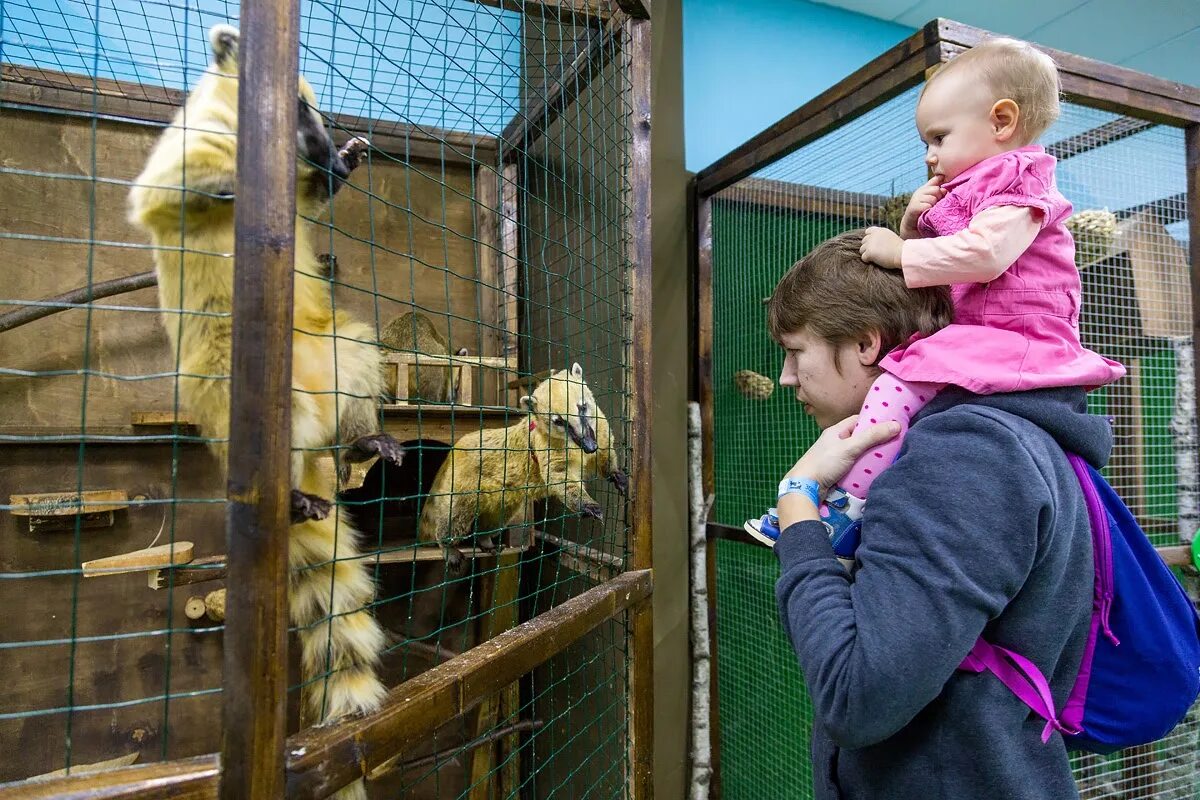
(67, 91)
(805, 199)
(1095, 83)
(1165, 210)
(184, 779)
(899, 68)
(730, 533)
(323, 760)
(1109, 132)
(578, 12)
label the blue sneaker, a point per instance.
(843, 512)
(764, 530)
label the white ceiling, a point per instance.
(1161, 37)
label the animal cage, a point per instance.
(1128, 148)
(450, 230)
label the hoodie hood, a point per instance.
(1062, 413)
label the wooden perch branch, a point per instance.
(450, 752)
(76, 297)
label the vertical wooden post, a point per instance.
(499, 590)
(255, 679)
(487, 235)
(510, 253)
(1191, 139)
(636, 62)
(704, 384)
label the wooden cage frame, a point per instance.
(1141, 99)
(257, 758)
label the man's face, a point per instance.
(828, 395)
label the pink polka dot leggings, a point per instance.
(889, 400)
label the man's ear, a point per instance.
(1004, 118)
(529, 403)
(868, 347)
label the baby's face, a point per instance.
(954, 121)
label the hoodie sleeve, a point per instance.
(949, 536)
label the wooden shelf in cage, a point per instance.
(56, 511)
(398, 366)
(444, 423)
(58, 435)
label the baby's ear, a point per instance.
(529, 403)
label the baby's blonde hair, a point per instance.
(1017, 71)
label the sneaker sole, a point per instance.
(758, 535)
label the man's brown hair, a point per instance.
(839, 297)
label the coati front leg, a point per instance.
(573, 495)
(308, 506)
(620, 480)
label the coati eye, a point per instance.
(557, 421)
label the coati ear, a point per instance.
(462, 351)
(529, 403)
(576, 370)
(223, 39)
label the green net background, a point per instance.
(760, 227)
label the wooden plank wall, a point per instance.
(422, 223)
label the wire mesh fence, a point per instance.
(1126, 179)
(465, 275)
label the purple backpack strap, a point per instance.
(1019, 674)
(1022, 677)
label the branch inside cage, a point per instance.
(451, 753)
(76, 298)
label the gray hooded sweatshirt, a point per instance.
(979, 527)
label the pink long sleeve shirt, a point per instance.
(998, 240)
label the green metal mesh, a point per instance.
(506, 227)
(844, 180)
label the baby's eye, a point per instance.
(938, 139)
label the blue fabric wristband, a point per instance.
(805, 486)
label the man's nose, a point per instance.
(787, 376)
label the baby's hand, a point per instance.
(921, 201)
(881, 247)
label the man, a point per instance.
(978, 528)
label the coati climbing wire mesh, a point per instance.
(488, 215)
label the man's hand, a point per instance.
(921, 201)
(881, 247)
(837, 448)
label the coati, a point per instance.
(490, 476)
(413, 332)
(184, 199)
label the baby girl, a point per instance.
(989, 224)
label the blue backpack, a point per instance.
(1141, 666)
